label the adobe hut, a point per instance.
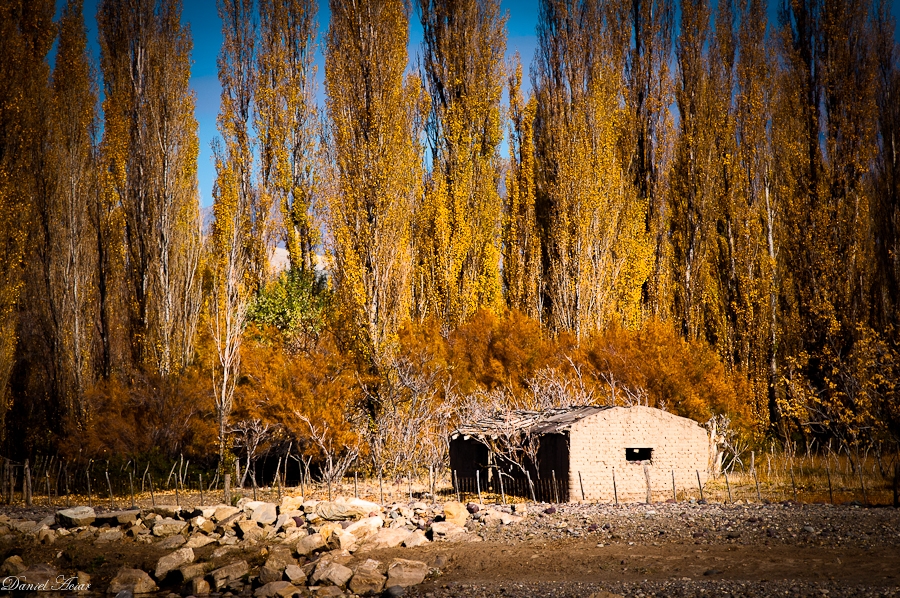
(582, 448)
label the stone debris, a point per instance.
(132, 580)
(168, 526)
(276, 588)
(76, 517)
(405, 573)
(230, 572)
(173, 561)
(332, 573)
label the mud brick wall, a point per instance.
(598, 446)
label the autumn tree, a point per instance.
(521, 239)
(458, 232)
(596, 249)
(150, 158)
(287, 121)
(234, 196)
(375, 161)
(26, 35)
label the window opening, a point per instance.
(638, 454)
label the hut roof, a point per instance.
(549, 421)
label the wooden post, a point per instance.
(728, 486)
(26, 485)
(152, 495)
(858, 470)
(793, 483)
(674, 496)
(409, 483)
(228, 489)
(66, 478)
(112, 503)
(200, 483)
(478, 484)
(615, 491)
(647, 480)
(356, 484)
(828, 475)
(431, 482)
(302, 483)
(530, 486)
(456, 485)
(756, 479)
(699, 485)
(278, 478)
(381, 484)
(253, 479)
(47, 480)
(555, 485)
(90, 498)
(177, 503)
(581, 483)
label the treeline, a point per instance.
(700, 210)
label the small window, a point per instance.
(638, 454)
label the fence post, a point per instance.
(152, 495)
(356, 484)
(47, 480)
(26, 485)
(431, 482)
(131, 487)
(530, 486)
(727, 485)
(90, 497)
(112, 503)
(674, 496)
(66, 478)
(381, 484)
(756, 479)
(647, 480)
(581, 483)
(555, 485)
(228, 489)
(615, 491)
(858, 470)
(478, 484)
(699, 485)
(793, 483)
(828, 475)
(200, 482)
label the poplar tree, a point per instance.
(287, 121)
(521, 240)
(375, 162)
(458, 236)
(596, 249)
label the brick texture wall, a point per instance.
(598, 444)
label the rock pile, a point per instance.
(311, 546)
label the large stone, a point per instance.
(132, 580)
(276, 588)
(166, 510)
(417, 538)
(446, 529)
(39, 574)
(367, 578)
(342, 540)
(76, 517)
(193, 571)
(14, 565)
(230, 572)
(403, 572)
(172, 542)
(339, 511)
(109, 535)
(199, 541)
(332, 573)
(223, 512)
(173, 561)
(387, 537)
(199, 586)
(250, 530)
(265, 514)
(309, 544)
(295, 574)
(118, 517)
(455, 512)
(273, 569)
(166, 526)
(365, 528)
(48, 536)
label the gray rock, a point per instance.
(366, 579)
(265, 514)
(132, 580)
(198, 541)
(230, 572)
(455, 512)
(76, 517)
(167, 526)
(395, 592)
(250, 530)
(387, 537)
(14, 565)
(310, 544)
(332, 573)
(118, 517)
(337, 511)
(109, 535)
(403, 572)
(173, 561)
(295, 574)
(276, 588)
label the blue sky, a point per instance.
(206, 29)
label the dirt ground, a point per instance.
(599, 550)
